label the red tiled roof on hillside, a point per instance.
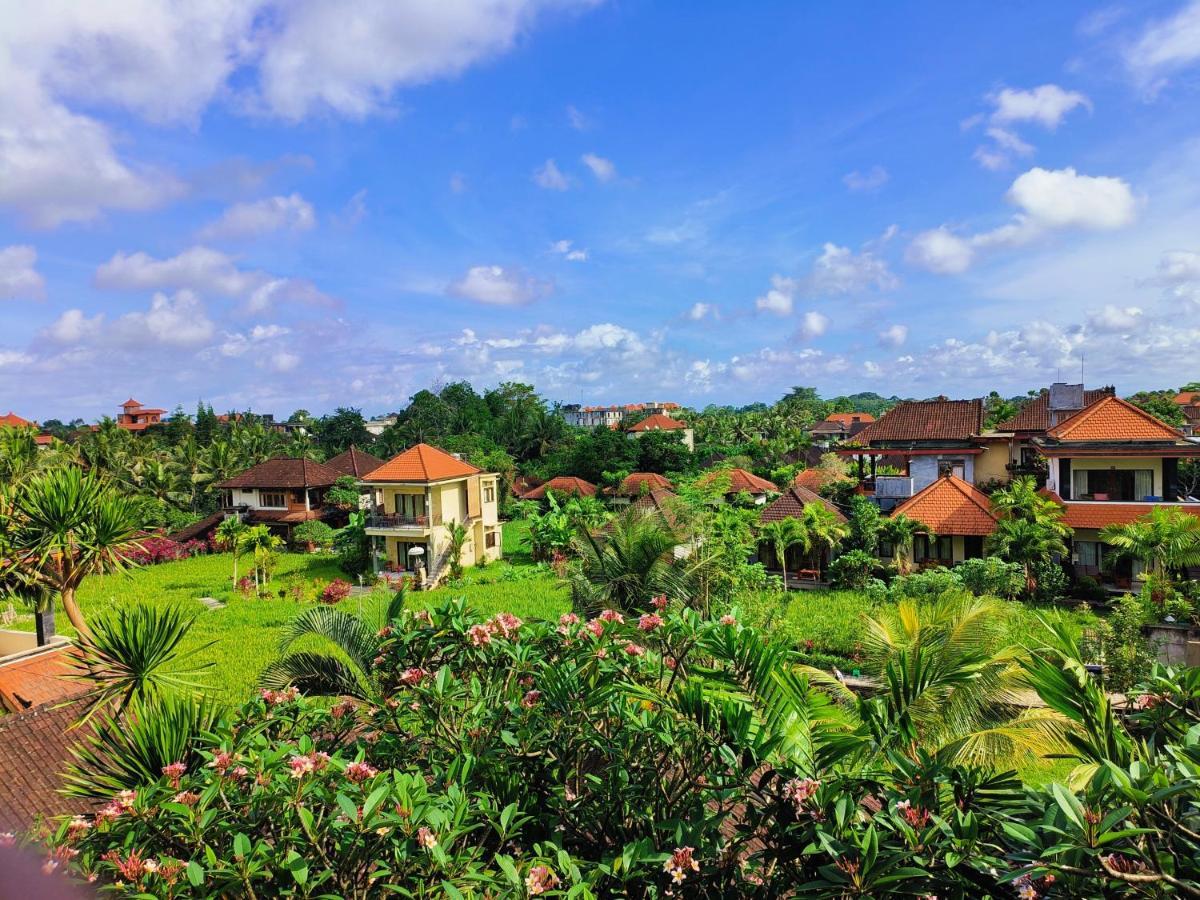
(1112, 419)
(925, 420)
(815, 479)
(741, 480)
(421, 464)
(658, 500)
(1035, 415)
(283, 472)
(849, 418)
(40, 677)
(354, 462)
(12, 420)
(950, 506)
(658, 422)
(35, 747)
(562, 486)
(637, 482)
(1187, 398)
(790, 505)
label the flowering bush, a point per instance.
(635, 756)
(336, 591)
(154, 550)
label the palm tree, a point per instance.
(900, 531)
(628, 564)
(65, 525)
(230, 533)
(457, 533)
(1026, 542)
(261, 543)
(783, 534)
(822, 529)
(1021, 501)
(1166, 539)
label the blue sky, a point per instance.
(275, 204)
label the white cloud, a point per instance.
(894, 336)
(569, 252)
(940, 250)
(257, 217)
(284, 361)
(602, 168)
(839, 270)
(19, 277)
(498, 286)
(73, 326)
(1047, 105)
(353, 212)
(1166, 46)
(576, 119)
(780, 298)
(178, 321)
(870, 180)
(1112, 319)
(14, 358)
(1179, 272)
(813, 325)
(700, 311)
(549, 177)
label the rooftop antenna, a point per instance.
(1081, 381)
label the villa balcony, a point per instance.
(392, 523)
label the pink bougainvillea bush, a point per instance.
(336, 591)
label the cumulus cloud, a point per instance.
(1046, 105)
(813, 325)
(1114, 319)
(602, 168)
(73, 326)
(567, 251)
(871, 180)
(498, 286)
(1179, 272)
(894, 336)
(548, 176)
(700, 311)
(839, 270)
(780, 298)
(205, 271)
(19, 277)
(258, 217)
(177, 321)
(1048, 201)
(1165, 47)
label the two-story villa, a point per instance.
(419, 494)
(136, 417)
(1111, 463)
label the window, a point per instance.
(927, 548)
(272, 499)
(489, 493)
(1087, 554)
(1112, 484)
(489, 540)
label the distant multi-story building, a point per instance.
(136, 417)
(612, 416)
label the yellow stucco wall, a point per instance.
(991, 463)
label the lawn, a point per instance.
(243, 637)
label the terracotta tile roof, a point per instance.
(950, 506)
(131, 402)
(815, 479)
(1112, 419)
(1097, 515)
(290, 517)
(562, 486)
(741, 480)
(632, 486)
(354, 462)
(1188, 398)
(12, 420)
(658, 422)
(849, 418)
(283, 472)
(926, 420)
(523, 484)
(658, 500)
(1035, 415)
(790, 505)
(198, 528)
(43, 440)
(35, 747)
(422, 463)
(38, 678)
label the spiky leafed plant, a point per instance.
(900, 531)
(260, 542)
(1166, 539)
(783, 535)
(1026, 542)
(230, 533)
(457, 535)
(632, 561)
(347, 672)
(65, 525)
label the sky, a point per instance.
(282, 204)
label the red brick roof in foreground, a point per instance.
(1112, 419)
(741, 480)
(354, 462)
(791, 503)
(35, 747)
(562, 486)
(422, 463)
(637, 482)
(658, 422)
(38, 678)
(950, 506)
(1035, 415)
(1097, 515)
(283, 472)
(925, 420)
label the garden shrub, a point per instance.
(1052, 581)
(853, 570)
(336, 591)
(930, 584)
(991, 576)
(154, 550)
(315, 532)
(1088, 588)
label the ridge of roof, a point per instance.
(284, 472)
(926, 420)
(353, 461)
(791, 503)
(1035, 415)
(660, 422)
(947, 499)
(423, 463)
(1121, 414)
(561, 484)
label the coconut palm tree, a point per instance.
(64, 525)
(260, 543)
(822, 530)
(1020, 500)
(1026, 542)
(230, 533)
(1166, 539)
(623, 567)
(900, 531)
(783, 535)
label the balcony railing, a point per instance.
(394, 520)
(893, 487)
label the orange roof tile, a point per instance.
(1035, 414)
(1187, 398)
(562, 486)
(39, 678)
(35, 747)
(12, 420)
(1097, 515)
(741, 480)
(632, 486)
(850, 418)
(422, 463)
(925, 420)
(815, 479)
(950, 506)
(791, 503)
(354, 462)
(1112, 419)
(658, 422)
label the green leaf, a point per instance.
(373, 801)
(510, 871)
(348, 807)
(195, 873)
(298, 866)
(452, 891)
(1069, 804)
(241, 846)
